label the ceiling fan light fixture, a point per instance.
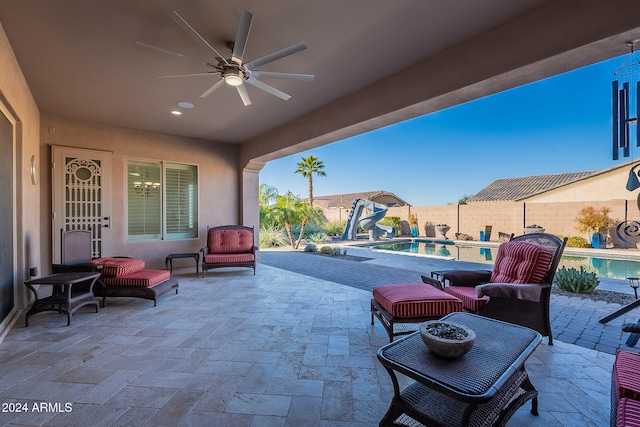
(233, 79)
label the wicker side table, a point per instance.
(70, 291)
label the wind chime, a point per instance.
(626, 105)
(626, 109)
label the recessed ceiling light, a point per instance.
(176, 112)
(184, 104)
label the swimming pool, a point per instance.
(611, 268)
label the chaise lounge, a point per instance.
(119, 276)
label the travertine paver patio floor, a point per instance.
(276, 349)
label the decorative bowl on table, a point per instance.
(447, 339)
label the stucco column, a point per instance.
(250, 212)
(249, 207)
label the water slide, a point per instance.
(368, 222)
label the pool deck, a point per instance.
(573, 320)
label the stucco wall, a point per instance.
(217, 175)
(16, 97)
(609, 185)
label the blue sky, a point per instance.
(561, 124)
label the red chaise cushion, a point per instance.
(415, 300)
(139, 279)
(116, 267)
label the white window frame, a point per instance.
(147, 185)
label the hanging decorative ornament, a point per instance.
(626, 103)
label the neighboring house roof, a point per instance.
(346, 200)
(514, 189)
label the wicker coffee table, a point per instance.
(482, 388)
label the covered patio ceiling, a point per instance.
(375, 62)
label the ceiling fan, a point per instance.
(234, 71)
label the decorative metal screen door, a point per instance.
(81, 194)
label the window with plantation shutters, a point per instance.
(181, 201)
(162, 200)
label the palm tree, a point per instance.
(290, 211)
(308, 166)
(267, 195)
(287, 211)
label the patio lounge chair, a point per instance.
(518, 289)
(120, 276)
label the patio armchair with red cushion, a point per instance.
(518, 289)
(229, 246)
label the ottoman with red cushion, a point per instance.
(400, 308)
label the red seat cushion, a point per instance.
(229, 241)
(628, 413)
(521, 262)
(626, 375)
(468, 296)
(116, 267)
(415, 300)
(139, 279)
(228, 258)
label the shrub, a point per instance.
(335, 228)
(309, 230)
(576, 281)
(273, 236)
(311, 248)
(317, 237)
(326, 250)
(392, 221)
(592, 220)
(338, 252)
(577, 242)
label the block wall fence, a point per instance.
(508, 217)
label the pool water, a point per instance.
(603, 267)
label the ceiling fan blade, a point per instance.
(212, 88)
(211, 73)
(193, 33)
(159, 49)
(242, 91)
(274, 56)
(242, 35)
(271, 74)
(265, 87)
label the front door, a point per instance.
(81, 186)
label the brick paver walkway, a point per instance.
(573, 320)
